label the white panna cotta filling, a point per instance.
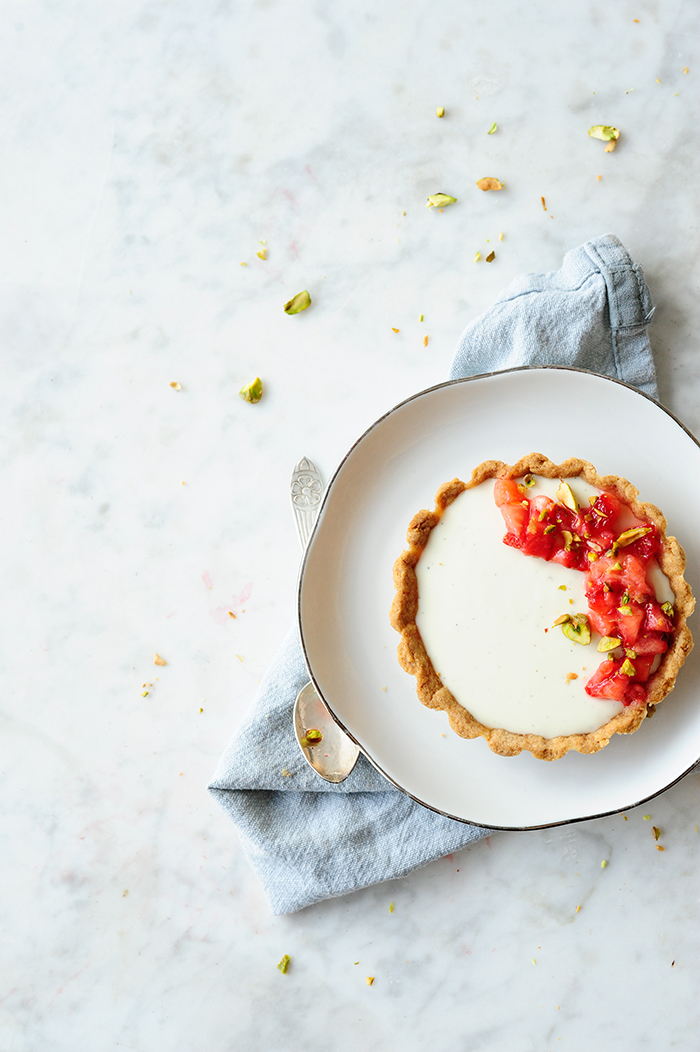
(486, 613)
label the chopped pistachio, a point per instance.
(440, 111)
(625, 598)
(604, 132)
(566, 495)
(492, 129)
(391, 907)
(297, 303)
(500, 236)
(631, 654)
(562, 588)
(491, 256)
(144, 693)
(421, 318)
(630, 536)
(625, 610)
(561, 620)
(668, 609)
(577, 629)
(477, 257)
(656, 831)
(284, 964)
(529, 480)
(604, 863)
(311, 737)
(608, 643)
(175, 385)
(627, 668)
(369, 980)
(592, 557)
(158, 660)
(551, 528)
(568, 540)
(440, 201)
(617, 566)
(253, 392)
(262, 254)
(489, 183)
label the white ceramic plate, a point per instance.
(346, 589)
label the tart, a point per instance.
(565, 631)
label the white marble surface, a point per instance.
(147, 149)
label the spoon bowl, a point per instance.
(334, 756)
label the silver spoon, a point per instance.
(332, 755)
(324, 746)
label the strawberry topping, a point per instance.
(622, 605)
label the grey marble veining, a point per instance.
(149, 149)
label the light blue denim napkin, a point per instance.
(591, 314)
(306, 839)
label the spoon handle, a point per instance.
(306, 490)
(336, 758)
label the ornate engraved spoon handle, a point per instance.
(306, 491)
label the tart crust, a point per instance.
(414, 658)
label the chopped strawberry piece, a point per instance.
(650, 643)
(604, 623)
(634, 574)
(636, 695)
(602, 571)
(647, 546)
(570, 559)
(541, 508)
(642, 667)
(516, 518)
(505, 491)
(604, 511)
(608, 682)
(655, 619)
(629, 624)
(540, 534)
